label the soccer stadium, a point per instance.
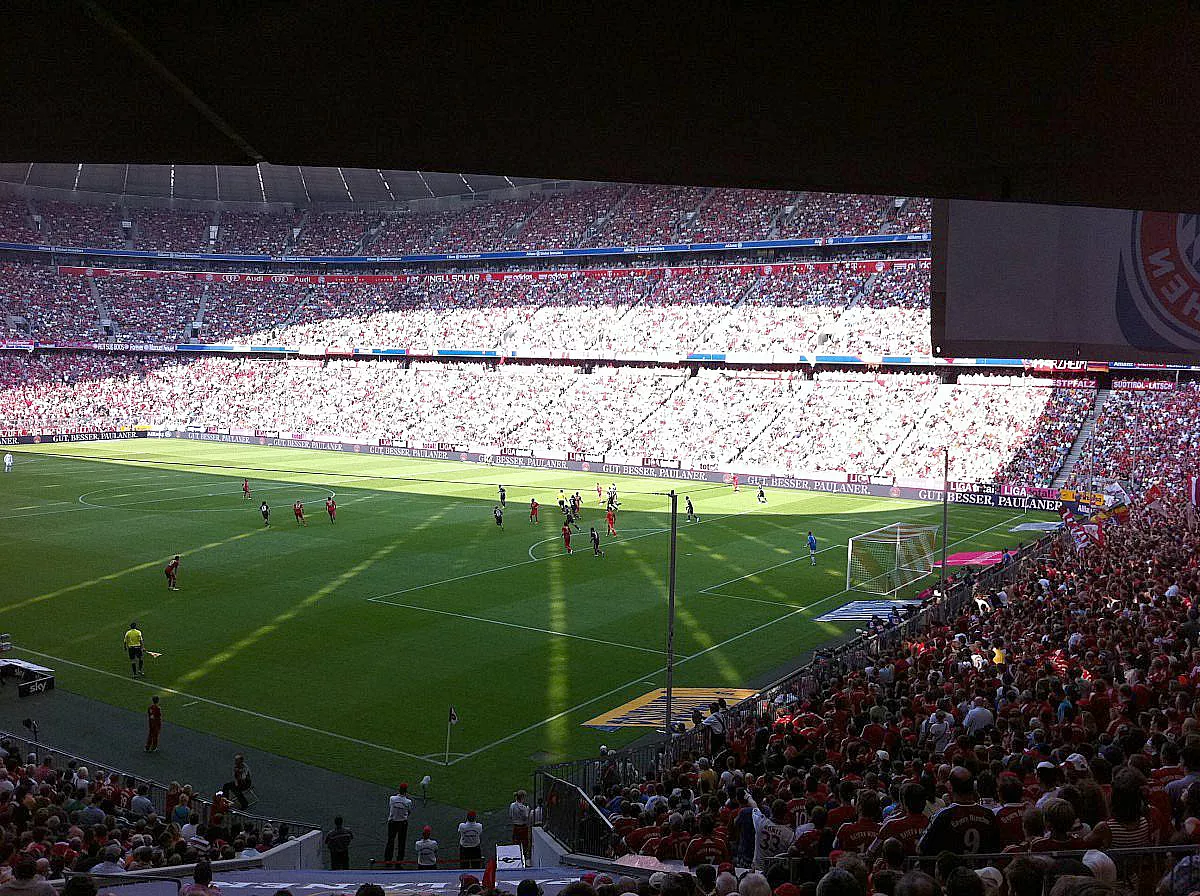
(396, 531)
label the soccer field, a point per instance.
(344, 645)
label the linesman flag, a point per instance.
(453, 717)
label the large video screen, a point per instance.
(1015, 280)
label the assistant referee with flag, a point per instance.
(134, 646)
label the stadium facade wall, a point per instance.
(979, 494)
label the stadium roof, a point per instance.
(1057, 102)
(295, 184)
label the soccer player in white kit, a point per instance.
(8, 462)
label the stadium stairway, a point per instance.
(1067, 470)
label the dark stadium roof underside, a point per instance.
(294, 184)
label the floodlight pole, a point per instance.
(671, 605)
(945, 512)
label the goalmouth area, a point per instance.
(345, 644)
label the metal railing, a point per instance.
(630, 765)
(157, 790)
(575, 820)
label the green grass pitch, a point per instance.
(345, 645)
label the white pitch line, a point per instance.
(250, 712)
(528, 628)
(484, 572)
(656, 672)
(748, 575)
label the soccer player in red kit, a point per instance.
(331, 509)
(735, 482)
(566, 530)
(610, 517)
(599, 492)
(172, 572)
(298, 509)
(245, 489)
(153, 724)
(533, 509)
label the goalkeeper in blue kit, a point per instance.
(812, 548)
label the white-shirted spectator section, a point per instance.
(37, 302)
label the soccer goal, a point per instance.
(885, 560)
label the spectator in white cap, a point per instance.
(1103, 868)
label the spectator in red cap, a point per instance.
(470, 842)
(427, 850)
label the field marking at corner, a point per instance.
(685, 659)
(229, 706)
(528, 628)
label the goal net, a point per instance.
(886, 560)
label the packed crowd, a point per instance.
(891, 425)
(81, 226)
(1141, 437)
(1055, 430)
(45, 305)
(158, 312)
(604, 215)
(1015, 740)
(60, 816)
(836, 214)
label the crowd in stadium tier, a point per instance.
(248, 312)
(732, 214)
(647, 215)
(16, 225)
(1042, 454)
(1144, 437)
(57, 816)
(332, 233)
(981, 421)
(81, 226)
(150, 311)
(1056, 712)
(254, 233)
(562, 221)
(893, 425)
(171, 231)
(603, 215)
(915, 216)
(51, 306)
(837, 214)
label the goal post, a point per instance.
(885, 560)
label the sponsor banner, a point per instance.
(49, 438)
(1144, 385)
(986, 496)
(263, 882)
(864, 267)
(867, 240)
(1051, 365)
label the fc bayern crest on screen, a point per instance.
(1158, 288)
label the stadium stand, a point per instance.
(1043, 710)
(171, 231)
(157, 312)
(82, 226)
(1144, 437)
(16, 223)
(1043, 453)
(62, 816)
(254, 233)
(37, 300)
(562, 221)
(737, 215)
(332, 233)
(647, 215)
(836, 214)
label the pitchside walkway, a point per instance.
(286, 789)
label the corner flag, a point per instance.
(453, 716)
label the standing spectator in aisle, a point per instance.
(470, 842)
(519, 816)
(153, 724)
(399, 809)
(427, 850)
(337, 842)
(715, 726)
(242, 781)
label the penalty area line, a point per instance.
(229, 706)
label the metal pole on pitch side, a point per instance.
(448, 740)
(671, 605)
(945, 514)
